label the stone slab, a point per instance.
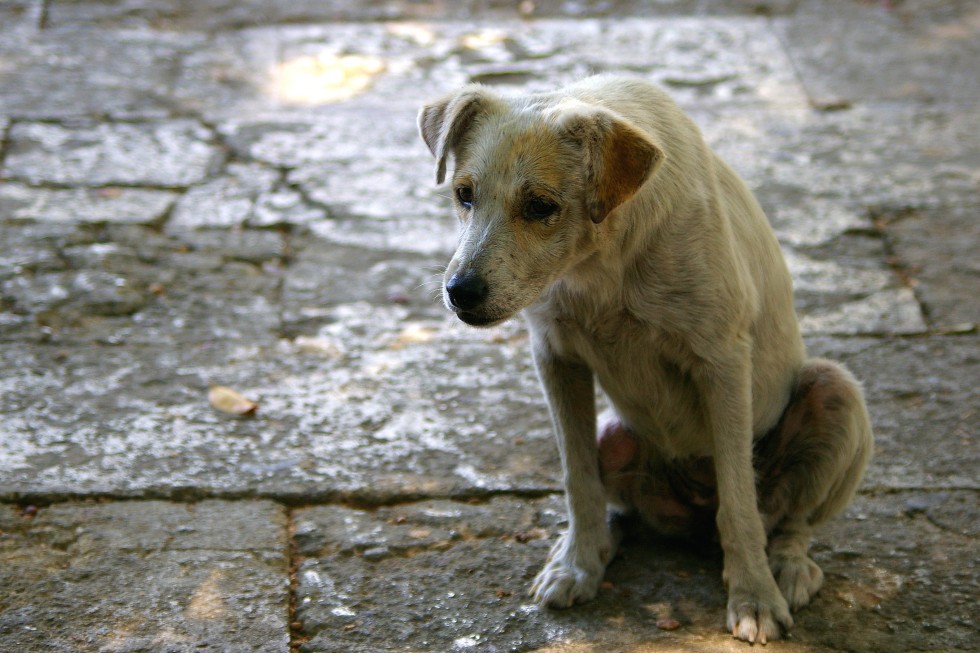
(102, 205)
(367, 387)
(84, 72)
(246, 195)
(344, 162)
(887, 312)
(937, 249)
(381, 189)
(880, 156)
(320, 278)
(173, 153)
(118, 283)
(364, 407)
(371, 134)
(145, 576)
(423, 236)
(922, 51)
(359, 590)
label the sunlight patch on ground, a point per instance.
(324, 78)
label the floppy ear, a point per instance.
(443, 123)
(619, 158)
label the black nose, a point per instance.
(466, 291)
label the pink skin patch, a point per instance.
(671, 497)
(617, 447)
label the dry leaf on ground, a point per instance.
(228, 401)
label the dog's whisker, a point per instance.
(432, 286)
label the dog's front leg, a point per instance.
(578, 559)
(756, 608)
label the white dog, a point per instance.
(642, 261)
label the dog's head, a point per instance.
(535, 180)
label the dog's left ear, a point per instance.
(619, 158)
(443, 123)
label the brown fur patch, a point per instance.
(627, 158)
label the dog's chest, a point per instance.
(645, 375)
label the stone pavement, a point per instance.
(233, 193)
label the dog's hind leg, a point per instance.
(809, 468)
(675, 498)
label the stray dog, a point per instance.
(642, 261)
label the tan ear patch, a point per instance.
(619, 157)
(624, 161)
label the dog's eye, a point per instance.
(539, 209)
(465, 196)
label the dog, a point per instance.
(641, 261)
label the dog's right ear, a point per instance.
(618, 157)
(443, 123)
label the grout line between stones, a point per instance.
(5, 145)
(43, 14)
(296, 636)
(292, 502)
(355, 500)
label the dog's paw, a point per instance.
(571, 575)
(755, 615)
(798, 577)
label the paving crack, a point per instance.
(904, 271)
(797, 72)
(305, 196)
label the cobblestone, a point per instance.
(172, 153)
(102, 205)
